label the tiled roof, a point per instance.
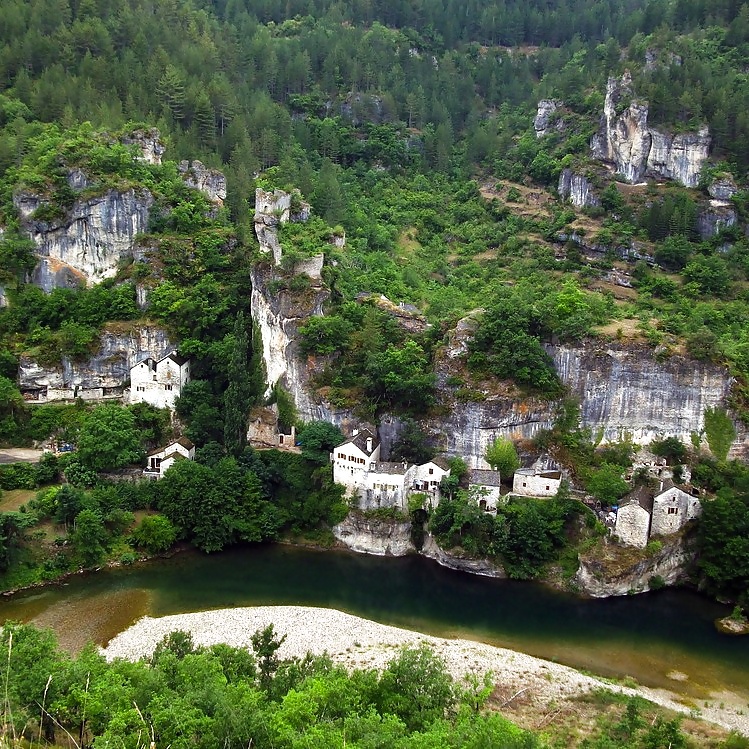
(176, 358)
(483, 477)
(360, 440)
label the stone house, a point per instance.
(159, 461)
(375, 483)
(632, 525)
(159, 382)
(264, 430)
(542, 479)
(486, 486)
(352, 460)
(672, 509)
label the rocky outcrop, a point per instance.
(625, 392)
(88, 243)
(368, 535)
(109, 367)
(577, 189)
(461, 562)
(546, 120)
(273, 209)
(713, 219)
(210, 182)
(636, 150)
(149, 144)
(600, 578)
(722, 188)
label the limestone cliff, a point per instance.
(577, 189)
(459, 562)
(87, 244)
(636, 150)
(109, 367)
(379, 536)
(273, 208)
(611, 574)
(210, 182)
(546, 120)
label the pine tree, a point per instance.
(239, 395)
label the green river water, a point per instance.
(646, 637)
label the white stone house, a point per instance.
(672, 509)
(542, 479)
(426, 479)
(159, 461)
(159, 382)
(633, 524)
(486, 487)
(352, 460)
(386, 484)
(375, 483)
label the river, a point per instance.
(648, 637)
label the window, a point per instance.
(431, 471)
(547, 488)
(167, 387)
(154, 378)
(673, 510)
(524, 484)
(341, 455)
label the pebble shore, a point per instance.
(359, 643)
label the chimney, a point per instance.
(369, 444)
(355, 432)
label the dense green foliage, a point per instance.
(524, 535)
(188, 696)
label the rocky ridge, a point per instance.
(636, 150)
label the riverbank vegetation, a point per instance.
(188, 696)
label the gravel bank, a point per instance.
(360, 643)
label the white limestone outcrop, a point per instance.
(149, 143)
(636, 150)
(544, 121)
(210, 182)
(577, 189)
(378, 536)
(88, 243)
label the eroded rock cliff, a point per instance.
(612, 574)
(578, 189)
(636, 150)
(383, 537)
(109, 367)
(88, 243)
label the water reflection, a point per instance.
(643, 636)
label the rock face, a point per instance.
(86, 246)
(108, 368)
(279, 314)
(723, 188)
(149, 143)
(544, 121)
(624, 391)
(210, 182)
(577, 189)
(271, 210)
(461, 563)
(720, 215)
(671, 564)
(635, 150)
(374, 535)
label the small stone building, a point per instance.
(486, 486)
(386, 484)
(159, 382)
(542, 479)
(672, 509)
(159, 461)
(633, 523)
